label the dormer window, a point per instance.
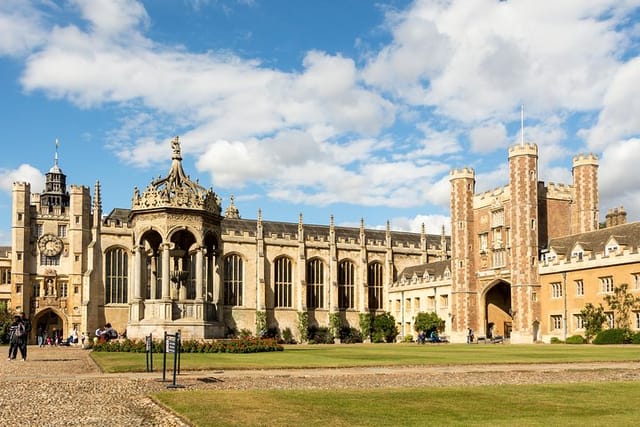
(612, 247)
(577, 255)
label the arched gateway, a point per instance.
(497, 310)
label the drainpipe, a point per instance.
(402, 313)
(564, 294)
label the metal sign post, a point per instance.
(149, 351)
(171, 345)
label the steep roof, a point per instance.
(435, 269)
(118, 214)
(596, 241)
(4, 251)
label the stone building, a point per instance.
(174, 261)
(494, 282)
(515, 263)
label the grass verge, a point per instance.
(345, 355)
(522, 405)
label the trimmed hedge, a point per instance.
(611, 336)
(576, 339)
(241, 345)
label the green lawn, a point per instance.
(588, 404)
(317, 356)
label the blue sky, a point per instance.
(353, 108)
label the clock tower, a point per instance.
(49, 232)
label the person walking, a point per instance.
(16, 335)
(27, 331)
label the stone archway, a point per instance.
(497, 304)
(49, 321)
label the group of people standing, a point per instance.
(18, 336)
(20, 330)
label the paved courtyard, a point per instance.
(61, 386)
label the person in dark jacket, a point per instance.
(16, 335)
(25, 338)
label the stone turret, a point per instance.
(523, 181)
(464, 300)
(585, 207)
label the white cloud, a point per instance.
(478, 60)
(23, 173)
(113, 17)
(488, 138)
(620, 115)
(432, 224)
(21, 28)
(617, 179)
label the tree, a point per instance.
(6, 318)
(428, 322)
(621, 301)
(593, 318)
(384, 326)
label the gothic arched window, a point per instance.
(315, 283)
(283, 281)
(233, 280)
(346, 283)
(116, 270)
(374, 281)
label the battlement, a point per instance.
(78, 189)
(21, 186)
(464, 173)
(493, 193)
(526, 149)
(559, 191)
(589, 159)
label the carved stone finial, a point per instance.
(176, 190)
(232, 211)
(175, 146)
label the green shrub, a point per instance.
(272, 332)
(377, 337)
(556, 340)
(335, 324)
(576, 339)
(248, 345)
(365, 325)
(261, 323)
(408, 338)
(320, 335)
(611, 336)
(635, 338)
(287, 336)
(245, 333)
(385, 324)
(350, 335)
(303, 326)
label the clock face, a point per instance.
(50, 245)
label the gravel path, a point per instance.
(63, 387)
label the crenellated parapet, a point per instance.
(526, 149)
(589, 159)
(463, 173)
(559, 191)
